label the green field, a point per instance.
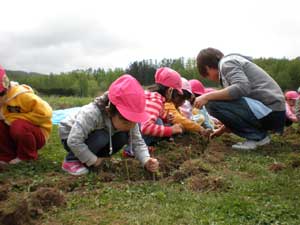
(198, 183)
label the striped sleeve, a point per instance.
(154, 107)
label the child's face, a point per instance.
(178, 100)
(291, 102)
(121, 124)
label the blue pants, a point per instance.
(151, 140)
(238, 117)
(98, 143)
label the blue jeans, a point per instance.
(98, 143)
(151, 140)
(237, 116)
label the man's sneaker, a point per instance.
(250, 144)
(75, 168)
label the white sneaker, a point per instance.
(250, 144)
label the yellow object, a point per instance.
(20, 102)
(198, 117)
(187, 124)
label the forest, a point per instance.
(89, 82)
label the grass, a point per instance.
(240, 187)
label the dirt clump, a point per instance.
(46, 198)
(20, 215)
(205, 183)
(275, 167)
(3, 193)
(296, 163)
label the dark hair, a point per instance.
(161, 89)
(176, 94)
(208, 57)
(114, 111)
(2, 93)
(187, 94)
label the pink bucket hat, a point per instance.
(4, 81)
(197, 87)
(186, 85)
(291, 95)
(128, 96)
(169, 78)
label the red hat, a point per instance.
(291, 95)
(197, 87)
(169, 78)
(128, 96)
(4, 81)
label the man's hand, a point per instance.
(200, 101)
(152, 165)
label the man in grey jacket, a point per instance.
(250, 104)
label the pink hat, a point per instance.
(169, 78)
(291, 95)
(197, 87)
(186, 85)
(4, 81)
(128, 96)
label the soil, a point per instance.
(275, 167)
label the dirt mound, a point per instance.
(3, 193)
(46, 198)
(202, 182)
(275, 167)
(294, 160)
(20, 215)
(25, 210)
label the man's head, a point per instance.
(207, 63)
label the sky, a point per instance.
(53, 36)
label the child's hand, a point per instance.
(98, 162)
(206, 132)
(218, 132)
(152, 165)
(170, 118)
(177, 129)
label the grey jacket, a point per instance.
(245, 79)
(76, 128)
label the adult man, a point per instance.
(250, 103)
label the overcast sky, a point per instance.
(59, 35)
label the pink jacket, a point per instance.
(155, 108)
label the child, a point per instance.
(201, 115)
(167, 83)
(25, 122)
(178, 117)
(102, 127)
(291, 97)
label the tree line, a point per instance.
(91, 81)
